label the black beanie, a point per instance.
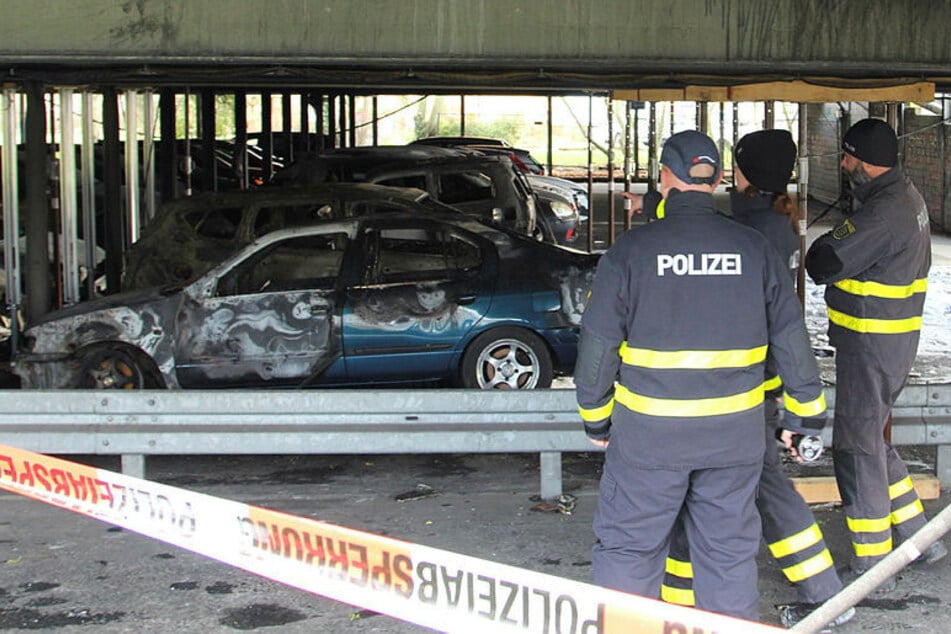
(872, 141)
(766, 158)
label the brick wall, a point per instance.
(926, 161)
(925, 153)
(822, 146)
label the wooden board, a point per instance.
(821, 489)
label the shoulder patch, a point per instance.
(844, 230)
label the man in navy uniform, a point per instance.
(670, 379)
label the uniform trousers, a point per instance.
(637, 508)
(789, 528)
(877, 494)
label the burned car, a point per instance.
(190, 235)
(389, 298)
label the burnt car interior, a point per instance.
(306, 262)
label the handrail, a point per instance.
(182, 422)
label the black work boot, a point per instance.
(932, 555)
(848, 575)
(790, 615)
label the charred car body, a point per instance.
(368, 300)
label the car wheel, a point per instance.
(507, 359)
(114, 368)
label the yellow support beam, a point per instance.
(796, 91)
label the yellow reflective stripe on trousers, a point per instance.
(796, 543)
(875, 326)
(689, 408)
(597, 413)
(815, 407)
(873, 550)
(886, 291)
(677, 596)
(691, 359)
(873, 525)
(810, 567)
(900, 488)
(907, 512)
(682, 569)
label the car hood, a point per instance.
(127, 299)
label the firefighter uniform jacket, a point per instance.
(674, 342)
(875, 265)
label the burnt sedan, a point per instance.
(380, 299)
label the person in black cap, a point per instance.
(764, 163)
(875, 267)
(670, 380)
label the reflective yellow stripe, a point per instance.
(875, 326)
(682, 569)
(689, 408)
(907, 512)
(900, 488)
(772, 384)
(808, 409)
(598, 413)
(886, 291)
(660, 212)
(873, 550)
(796, 543)
(677, 596)
(875, 525)
(692, 359)
(810, 567)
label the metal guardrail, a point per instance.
(137, 424)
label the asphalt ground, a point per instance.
(63, 572)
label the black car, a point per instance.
(485, 187)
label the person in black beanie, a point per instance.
(763, 166)
(875, 267)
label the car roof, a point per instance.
(264, 195)
(461, 140)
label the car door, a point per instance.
(425, 285)
(270, 320)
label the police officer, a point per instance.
(764, 165)
(670, 380)
(875, 267)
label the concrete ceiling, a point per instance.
(475, 45)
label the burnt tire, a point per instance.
(507, 359)
(115, 368)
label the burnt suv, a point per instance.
(190, 235)
(486, 187)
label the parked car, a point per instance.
(190, 235)
(523, 159)
(388, 298)
(483, 186)
(558, 217)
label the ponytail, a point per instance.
(784, 204)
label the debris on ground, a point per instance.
(564, 504)
(421, 491)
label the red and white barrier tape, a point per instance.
(426, 586)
